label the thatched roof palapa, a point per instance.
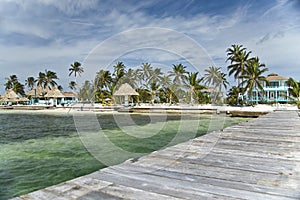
(125, 90)
(23, 99)
(54, 93)
(10, 95)
(39, 91)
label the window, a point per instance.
(274, 84)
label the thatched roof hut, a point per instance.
(23, 99)
(54, 93)
(9, 95)
(126, 90)
(38, 91)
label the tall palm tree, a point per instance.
(41, 79)
(193, 84)
(131, 77)
(119, 71)
(179, 74)
(14, 84)
(215, 77)
(47, 79)
(154, 86)
(103, 79)
(211, 77)
(11, 80)
(253, 76)
(223, 81)
(76, 68)
(294, 90)
(50, 79)
(238, 57)
(30, 82)
(60, 88)
(18, 88)
(155, 76)
(232, 96)
(86, 91)
(146, 71)
(72, 85)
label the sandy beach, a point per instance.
(150, 109)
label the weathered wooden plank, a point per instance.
(222, 181)
(175, 184)
(258, 159)
(160, 187)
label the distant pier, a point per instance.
(259, 159)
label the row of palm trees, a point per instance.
(176, 85)
(248, 71)
(152, 84)
(46, 79)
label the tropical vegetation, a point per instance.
(178, 85)
(294, 90)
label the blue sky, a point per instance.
(51, 34)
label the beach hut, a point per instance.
(9, 96)
(37, 94)
(23, 99)
(126, 90)
(54, 95)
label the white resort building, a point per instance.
(276, 91)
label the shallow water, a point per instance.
(39, 150)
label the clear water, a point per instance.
(39, 150)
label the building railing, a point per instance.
(279, 87)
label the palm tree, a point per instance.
(76, 68)
(50, 79)
(215, 78)
(72, 85)
(131, 77)
(30, 82)
(86, 92)
(103, 79)
(154, 86)
(223, 81)
(47, 79)
(179, 73)
(11, 80)
(211, 77)
(238, 57)
(155, 76)
(41, 79)
(233, 95)
(18, 88)
(253, 76)
(119, 71)
(294, 90)
(193, 84)
(146, 71)
(60, 88)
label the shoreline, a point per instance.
(240, 111)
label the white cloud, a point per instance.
(273, 36)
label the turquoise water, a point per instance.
(40, 150)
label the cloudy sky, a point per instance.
(51, 34)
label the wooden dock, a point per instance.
(259, 159)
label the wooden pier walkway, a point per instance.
(259, 159)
